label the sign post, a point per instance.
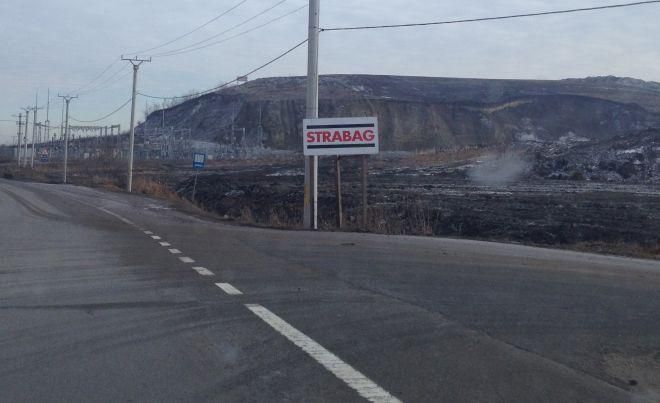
(364, 193)
(343, 136)
(340, 220)
(198, 164)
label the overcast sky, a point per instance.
(63, 45)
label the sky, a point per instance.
(62, 46)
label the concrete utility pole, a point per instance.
(136, 62)
(67, 99)
(34, 127)
(20, 132)
(62, 122)
(47, 122)
(34, 130)
(310, 219)
(25, 134)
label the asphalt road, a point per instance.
(97, 305)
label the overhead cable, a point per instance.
(109, 81)
(233, 36)
(505, 17)
(223, 32)
(97, 77)
(192, 31)
(104, 117)
(229, 82)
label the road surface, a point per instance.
(115, 297)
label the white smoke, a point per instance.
(499, 169)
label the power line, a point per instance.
(104, 117)
(99, 76)
(191, 32)
(232, 81)
(174, 53)
(223, 32)
(506, 17)
(109, 81)
(79, 90)
(120, 78)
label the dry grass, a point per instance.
(648, 251)
(150, 187)
(105, 174)
(279, 218)
(445, 157)
(13, 172)
(247, 217)
(407, 218)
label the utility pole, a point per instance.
(62, 122)
(34, 127)
(146, 117)
(34, 130)
(136, 62)
(47, 133)
(20, 133)
(67, 99)
(310, 218)
(233, 119)
(25, 138)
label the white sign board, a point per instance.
(340, 136)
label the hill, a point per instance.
(422, 113)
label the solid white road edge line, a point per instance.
(203, 271)
(229, 289)
(174, 251)
(186, 259)
(353, 378)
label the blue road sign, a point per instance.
(198, 160)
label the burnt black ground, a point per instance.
(441, 201)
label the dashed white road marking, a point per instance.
(229, 289)
(203, 271)
(353, 378)
(364, 386)
(186, 259)
(156, 237)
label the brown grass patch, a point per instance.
(444, 157)
(154, 188)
